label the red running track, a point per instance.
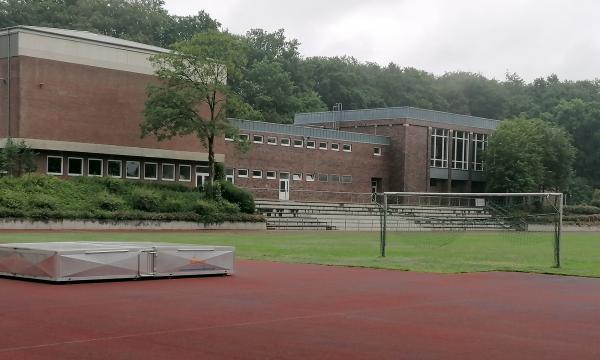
(284, 311)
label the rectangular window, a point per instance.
(271, 174)
(284, 175)
(185, 173)
(479, 145)
(335, 146)
(439, 148)
(75, 166)
(323, 177)
(272, 140)
(298, 143)
(243, 173)
(228, 137)
(132, 169)
(334, 178)
(244, 137)
(310, 177)
(310, 144)
(297, 176)
(114, 168)
(95, 167)
(285, 142)
(54, 165)
(322, 145)
(460, 160)
(347, 147)
(257, 139)
(377, 151)
(346, 179)
(150, 171)
(168, 172)
(228, 174)
(257, 174)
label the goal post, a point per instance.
(523, 218)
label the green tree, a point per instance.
(16, 159)
(582, 120)
(528, 155)
(194, 95)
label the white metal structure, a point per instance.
(79, 261)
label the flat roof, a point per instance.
(309, 132)
(83, 35)
(403, 112)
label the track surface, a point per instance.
(285, 311)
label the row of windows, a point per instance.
(299, 143)
(272, 175)
(114, 168)
(462, 149)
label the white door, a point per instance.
(284, 189)
(201, 179)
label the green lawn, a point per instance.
(432, 252)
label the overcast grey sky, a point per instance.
(531, 38)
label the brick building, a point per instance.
(77, 99)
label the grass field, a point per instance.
(430, 252)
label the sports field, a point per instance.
(446, 252)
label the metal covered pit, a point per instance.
(80, 261)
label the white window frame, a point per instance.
(162, 172)
(69, 167)
(332, 145)
(228, 177)
(377, 151)
(310, 177)
(296, 176)
(322, 147)
(349, 147)
(101, 167)
(441, 136)
(147, 177)
(243, 137)
(120, 168)
(346, 176)
(314, 144)
(62, 164)
(179, 173)
(255, 136)
(257, 176)
(242, 176)
(139, 169)
(271, 140)
(228, 137)
(273, 177)
(283, 141)
(479, 144)
(301, 145)
(460, 137)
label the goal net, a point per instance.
(501, 229)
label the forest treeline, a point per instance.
(278, 82)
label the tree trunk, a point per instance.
(211, 159)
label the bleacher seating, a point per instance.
(292, 215)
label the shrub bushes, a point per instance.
(581, 209)
(236, 195)
(45, 197)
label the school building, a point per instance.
(77, 99)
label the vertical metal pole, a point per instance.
(558, 233)
(383, 237)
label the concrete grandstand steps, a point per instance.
(366, 217)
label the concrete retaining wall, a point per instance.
(24, 224)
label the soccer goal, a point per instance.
(502, 228)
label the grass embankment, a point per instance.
(431, 252)
(46, 197)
